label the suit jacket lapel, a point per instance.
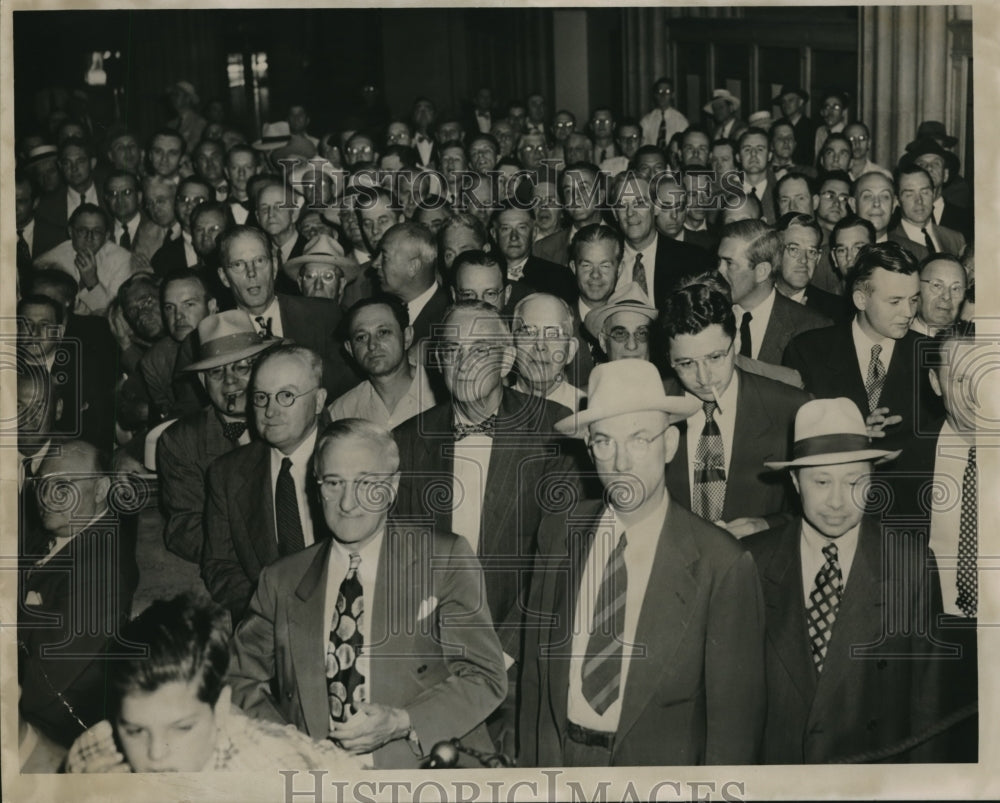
(307, 635)
(257, 504)
(784, 599)
(664, 618)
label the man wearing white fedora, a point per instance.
(644, 637)
(723, 107)
(229, 344)
(852, 661)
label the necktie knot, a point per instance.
(264, 326)
(709, 407)
(830, 552)
(485, 427)
(286, 464)
(876, 351)
(972, 455)
(234, 429)
(355, 562)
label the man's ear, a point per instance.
(671, 440)
(935, 382)
(222, 277)
(762, 270)
(320, 400)
(407, 338)
(860, 299)
(572, 346)
(101, 488)
(213, 306)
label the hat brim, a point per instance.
(260, 145)
(348, 266)
(776, 101)
(594, 322)
(735, 102)
(677, 408)
(877, 456)
(232, 356)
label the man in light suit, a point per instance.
(749, 257)
(853, 663)
(754, 416)
(260, 504)
(674, 671)
(420, 665)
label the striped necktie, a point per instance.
(602, 666)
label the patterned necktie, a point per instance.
(746, 346)
(263, 326)
(709, 469)
(639, 273)
(234, 429)
(661, 132)
(967, 583)
(927, 240)
(824, 600)
(344, 681)
(602, 666)
(23, 251)
(125, 241)
(485, 427)
(286, 508)
(876, 378)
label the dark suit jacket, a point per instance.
(240, 537)
(827, 304)
(46, 235)
(553, 247)
(443, 663)
(86, 382)
(676, 261)
(528, 463)
(879, 684)
(805, 140)
(86, 595)
(431, 314)
(169, 257)
(951, 242)
(52, 209)
(284, 283)
(697, 696)
(183, 454)
(704, 239)
(958, 218)
(828, 364)
(546, 276)
(788, 318)
(765, 417)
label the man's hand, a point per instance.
(95, 751)
(878, 420)
(86, 263)
(371, 727)
(744, 526)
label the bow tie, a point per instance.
(483, 428)
(237, 202)
(234, 429)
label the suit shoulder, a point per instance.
(763, 544)
(800, 313)
(775, 390)
(307, 305)
(819, 338)
(235, 462)
(713, 543)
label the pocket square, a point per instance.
(427, 607)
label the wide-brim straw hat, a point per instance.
(228, 337)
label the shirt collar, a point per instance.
(303, 452)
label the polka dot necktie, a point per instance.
(824, 601)
(967, 582)
(346, 684)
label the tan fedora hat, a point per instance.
(829, 432)
(273, 136)
(228, 337)
(629, 298)
(626, 386)
(722, 94)
(325, 250)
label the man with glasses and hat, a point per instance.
(644, 637)
(261, 504)
(323, 269)
(853, 664)
(229, 345)
(623, 325)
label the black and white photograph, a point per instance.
(576, 402)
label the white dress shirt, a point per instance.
(725, 417)
(132, 226)
(914, 233)
(951, 458)
(273, 312)
(863, 350)
(114, 266)
(515, 270)
(301, 473)
(650, 124)
(363, 401)
(811, 545)
(641, 541)
(28, 233)
(761, 315)
(73, 198)
(190, 255)
(424, 146)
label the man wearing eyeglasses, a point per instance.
(260, 503)
(831, 202)
(623, 325)
(98, 265)
(861, 142)
(942, 289)
(745, 417)
(644, 635)
(660, 124)
(487, 446)
(546, 347)
(916, 230)
(801, 252)
(229, 345)
(379, 337)
(833, 111)
(179, 252)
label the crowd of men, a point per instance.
(627, 441)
